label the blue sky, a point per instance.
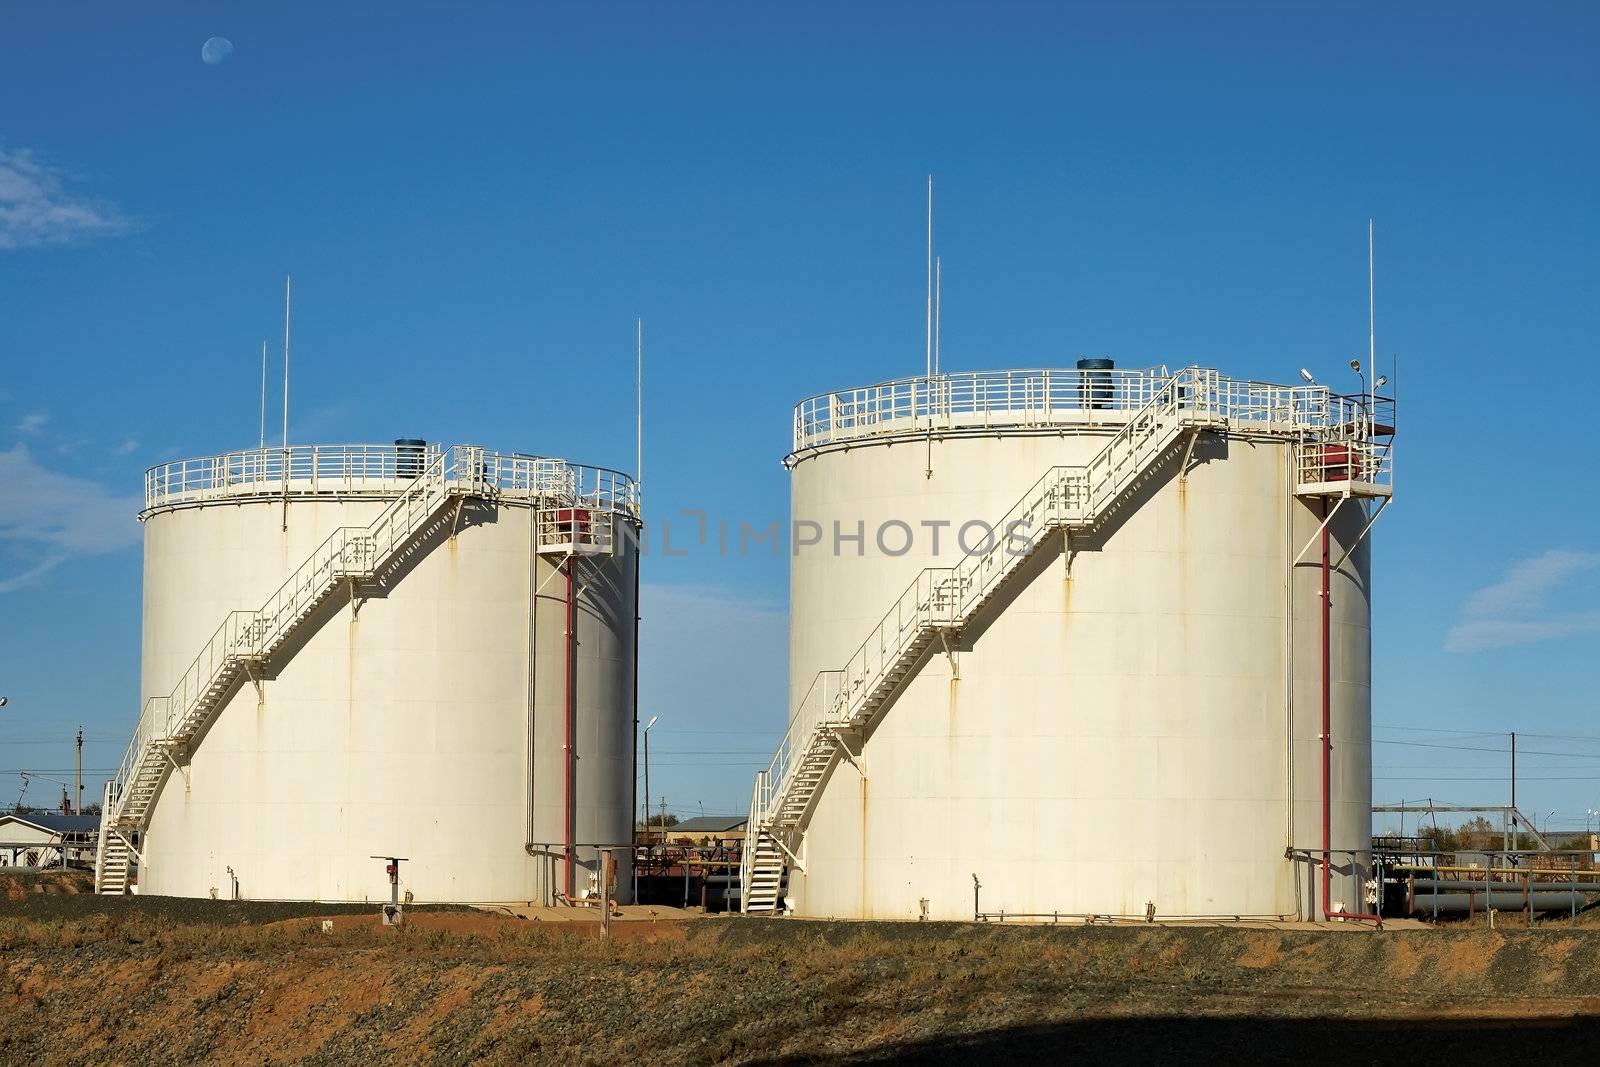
(476, 203)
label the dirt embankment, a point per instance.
(135, 985)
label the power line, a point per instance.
(1592, 738)
(59, 770)
(1438, 730)
(1476, 748)
(1486, 778)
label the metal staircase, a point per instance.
(351, 559)
(940, 601)
(113, 856)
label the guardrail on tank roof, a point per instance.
(375, 470)
(1025, 399)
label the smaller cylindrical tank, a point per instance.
(1096, 387)
(409, 455)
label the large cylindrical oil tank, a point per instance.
(1132, 727)
(445, 713)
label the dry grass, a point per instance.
(505, 991)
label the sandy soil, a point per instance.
(217, 982)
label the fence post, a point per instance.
(608, 871)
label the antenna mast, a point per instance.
(286, 401)
(261, 440)
(286, 363)
(638, 415)
(1372, 339)
(930, 278)
(1372, 319)
(938, 304)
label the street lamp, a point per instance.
(1367, 399)
(647, 726)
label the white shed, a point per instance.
(30, 840)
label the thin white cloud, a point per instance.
(37, 206)
(32, 424)
(47, 518)
(1516, 610)
(127, 447)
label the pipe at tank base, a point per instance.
(1540, 900)
(568, 714)
(1443, 884)
(1327, 750)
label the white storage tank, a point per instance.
(1055, 649)
(359, 651)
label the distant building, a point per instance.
(708, 830)
(40, 840)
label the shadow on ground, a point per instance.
(1154, 1040)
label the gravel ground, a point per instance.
(69, 895)
(154, 981)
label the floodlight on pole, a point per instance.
(1366, 399)
(1307, 375)
(647, 726)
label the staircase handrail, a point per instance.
(356, 550)
(809, 713)
(1032, 396)
(752, 837)
(348, 550)
(157, 717)
(939, 595)
(1039, 397)
(372, 470)
(926, 602)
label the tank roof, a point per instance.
(1059, 400)
(375, 472)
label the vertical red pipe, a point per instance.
(1327, 746)
(569, 714)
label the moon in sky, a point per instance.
(216, 50)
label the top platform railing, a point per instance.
(1028, 399)
(376, 471)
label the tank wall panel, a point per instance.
(1115, 738)
(399, 729)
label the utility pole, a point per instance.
(80, 771)
(663, 819)
(1516, 831)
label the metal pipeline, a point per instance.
(1500, 900)
(1431, 886)
(569, 713)
(633, 777)
(1327, 749)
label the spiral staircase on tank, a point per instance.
(248, 643)
(1337, 451)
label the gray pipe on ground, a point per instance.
(1512, 887)
(1539, 900)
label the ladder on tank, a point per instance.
(352, 557)
(941, 600)
(113, 854)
